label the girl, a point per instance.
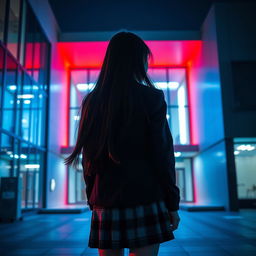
(127, 155)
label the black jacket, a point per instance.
(147, 169)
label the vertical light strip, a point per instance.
(182, 115)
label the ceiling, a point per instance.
(143, 15)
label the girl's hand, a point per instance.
(175, 219)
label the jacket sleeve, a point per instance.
(89, 182)
(163, 152)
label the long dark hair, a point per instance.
(107, 109)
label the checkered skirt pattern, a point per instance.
(131, 227)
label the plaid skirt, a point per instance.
(131, 227)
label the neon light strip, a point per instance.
(161, 85)
(84, 87)
(169, 85)
(32, 166)
(182, 115)
(25, 96)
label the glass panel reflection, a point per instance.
(24, 99)
(22, 32)
(34, 102)
(16, 158)
(76, 186)
(30, 166)
(81, 83)
(42, 109)
(79, 87)
(74, 121)
(93, 75)
(159, 77)
(18, 103)
(173, 83)
(1, 74)
(2, 18)
(245, 160)
(7, 155)
(10, 91)
(13, 27)
(184, 179)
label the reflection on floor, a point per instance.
(200, 234)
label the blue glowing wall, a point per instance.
(210, 173)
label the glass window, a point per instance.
(36, 50)
(1, 77)
(29, 172)
(79, 87)
(2, 18)
(16, 150)
(159, 77)
(245, 161)
(178, 126)
(174, 85)
(22, 32)
(18, 102)
(24, 161)
(93, 76)
(10, 91)
(171, 80)
(7, 155)
(177, 79)
(13, 27)
(24, 102)
(71, 185)
(76, 186)
(30, 37)
(184, 179)
(40, 161)
(81, 83)
(32, 168)
(74, 121)
(42, 109)
(34, 109)
(43, 70)
(36, 58)
(38, 54)
(25, 99)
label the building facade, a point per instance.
(206, 75)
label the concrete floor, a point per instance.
(200, 234)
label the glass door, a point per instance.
(30, 181)
(76, 187)
(181, 182)
(184, 179)
(245, 162)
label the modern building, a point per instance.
(204, 60)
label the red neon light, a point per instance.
(192, 78)
(165, 53)
(68, 105)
